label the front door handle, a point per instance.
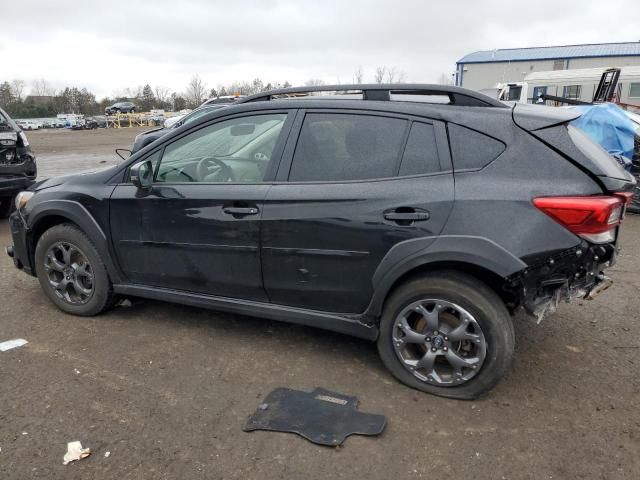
(403, 215)
(240, 211)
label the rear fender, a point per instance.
(411, 254)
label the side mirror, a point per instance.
(142, 175)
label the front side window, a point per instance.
(336, 147)
(236, 150)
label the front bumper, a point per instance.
(19, 251)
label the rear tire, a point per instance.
(487, 349)
(6, 206)
(71, 272)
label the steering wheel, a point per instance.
(208, 166)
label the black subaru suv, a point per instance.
(17, 163)
(418, 216)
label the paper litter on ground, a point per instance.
(75, 452)
(9, 344)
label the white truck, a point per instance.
(579, 84)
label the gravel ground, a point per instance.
(166, 389)
(62, 151)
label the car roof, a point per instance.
(435, 111)
(393, 92)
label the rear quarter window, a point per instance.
(472, 150)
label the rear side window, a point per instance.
(472, 150)
(335, 147)
(420, 154)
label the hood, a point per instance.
(56, 181)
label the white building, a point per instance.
(480, 70)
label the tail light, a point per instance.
(593, 218)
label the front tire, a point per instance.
(71, 272)
(448, 334)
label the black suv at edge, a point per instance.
(378, 212)
(17, 163)
(120, 107)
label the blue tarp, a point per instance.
(608, 125)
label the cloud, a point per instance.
(109, 46)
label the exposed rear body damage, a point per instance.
(17, 162)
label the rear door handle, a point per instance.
(240, 211)
(406, 216)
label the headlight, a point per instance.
(22, 198)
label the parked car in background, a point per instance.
(28, 124)
(101, 121)
(90, 123)
(225, 99)
(171, 121)
(120, 107)
(150, 136)
(17, 163)
(422, 217)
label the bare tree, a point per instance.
(380, 72)
(161, 93)
(17, 86)
(41, 88)
(196, 91)
(314, 82)
(358, 75)
(394, 75)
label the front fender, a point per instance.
(410, 254)
(78, 214)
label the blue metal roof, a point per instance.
(549, 53)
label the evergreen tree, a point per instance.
(147, 99)
(6, 95)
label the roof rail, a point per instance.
(457, 96)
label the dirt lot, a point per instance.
(166, 389)
(63, 151)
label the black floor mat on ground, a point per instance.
(323, 417)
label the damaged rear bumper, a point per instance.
(563, 276)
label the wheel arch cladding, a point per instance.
(475, 255)
(55, 212)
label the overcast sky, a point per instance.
(107, 46)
